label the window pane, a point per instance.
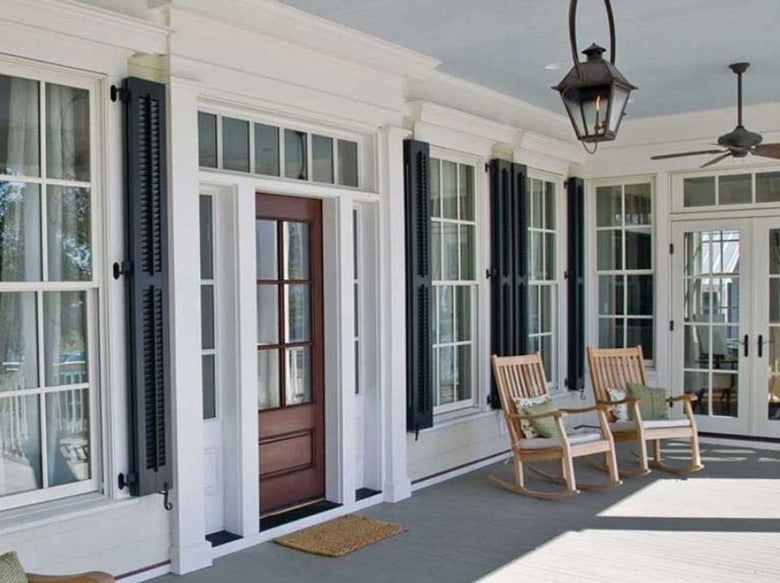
(467, 252)
(67, 436)
(267, 314)
(450, 243)
(534, 315)
(546, 300)
(697, 346)
(298, 376)
(449, 194)
(463, 300)
(537, 255)
(267, 379)
(295, 155)
(640, 333)
(235, 144)
(446, 305)
(464, 379)
(435, 190)
(348, 163)
(435, 250)
(206, 238)
(549, 205)
(69, 235)
(266, 249)
(446, 375)
(640, 295)
(20, 444)
(18, 341)
(207, 316)
(768, 187)
(609, 250)
(466, 193)
(639, 205)
(297, 313)
(207, 140)
(266, 149)
(735, 189)
(548, 357)
(609, 210)
(65, 338)
(296, 250)
(611, 333)
(19, 127)
(774, 251)
(67, 133)
(209, 387)
(549, 245)
(611, 295)
(774, 301)
(537, 204)
(699, 191)
(20, 232)
(322, 159)
(639, 250)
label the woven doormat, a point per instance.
(340, 536)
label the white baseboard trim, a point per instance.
(459, 471)
(146, 575)
(736, 442)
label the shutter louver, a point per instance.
(148, 302)
(419, 373)
(509, 263)
(575, 284)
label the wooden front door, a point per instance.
(291, 413)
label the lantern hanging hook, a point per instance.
(573, 34)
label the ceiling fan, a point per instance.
(737, 143)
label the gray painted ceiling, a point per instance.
(676, 51)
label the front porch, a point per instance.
(722, 524)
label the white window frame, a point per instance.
(555, 385)
(678, 201)
(96, 292)
(213, 283)
(592, 257)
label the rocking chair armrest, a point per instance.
(596, 407)
(91, 577)
(686, 397)
(626, 401)
(559, 413)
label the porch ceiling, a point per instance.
(676, 52)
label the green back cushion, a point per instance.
(11, 570)
(544, 427)
(652, 402)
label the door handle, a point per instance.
(760, 346)
(747, 345)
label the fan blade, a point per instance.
(767, 150)
(716, 160)
(679, 155)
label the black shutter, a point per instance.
(146, 193)
(575, 284)
(509, 258)
(419, 373)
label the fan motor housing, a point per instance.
(740, 139)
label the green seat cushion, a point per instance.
(545, 427)
(11, 570)
(652, 402)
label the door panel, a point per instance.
(290, 351)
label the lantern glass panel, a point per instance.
(619, 101)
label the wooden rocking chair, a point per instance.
(613, 368)
(523, 377)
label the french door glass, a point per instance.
(771, 344)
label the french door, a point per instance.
(726, 283)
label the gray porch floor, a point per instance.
(722, 524)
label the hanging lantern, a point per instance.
(594, 92)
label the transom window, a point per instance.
(543, 284)
(241, 145)
(624, 266)
(48, 292)
(731, 189)
(453, 257)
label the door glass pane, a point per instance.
(297, 313)
(697, 346)
(19, 127)
(298, 375)
(18, 341)
(640, 295)
(206, 238)
(699, 191)
(296, 250)
(235, 144)
(735, 189)
(65, 338)
(322, 159)
(295, 155)
(207, 140)
(639, 249)
(609, 250)
(267, 379)
(640, 333)
(207, 316)
(20, 444)
(611, 333)
(209, 387)
(638, 205)
(774, 371)
(348, 163)
(774, 300)
(267, 314)
(611, 294)
(449, 194)
(69, 224)
(774, 252)
(466, 192)
(609, 211)
(20, 232)
(697, 383)
(67, 133)
(266, 249)
(266, 149)
(768, 187)
(67, 436)
(725, 391)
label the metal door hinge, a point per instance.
(118, 93)
(671, 248)
(671, 325)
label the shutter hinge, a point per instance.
(124, 268)
(490, 273)
(119, 93)
(566, 183)
(126, 480)
(671, 325)
(487, 167)
(671, 248)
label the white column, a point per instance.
(189, 549)
(397, 485)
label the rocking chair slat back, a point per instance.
(518, 377)
(614, 368)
